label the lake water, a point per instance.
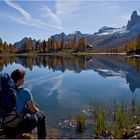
(62, 86)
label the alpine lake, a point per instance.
(63, 86)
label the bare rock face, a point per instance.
(135, 19)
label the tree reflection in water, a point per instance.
(105, 65)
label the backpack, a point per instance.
(8, 112)
(8, 93)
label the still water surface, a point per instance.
(64, 86)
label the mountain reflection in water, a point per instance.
(104, 65)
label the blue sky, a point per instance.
(41, 19)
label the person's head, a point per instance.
(18, 77)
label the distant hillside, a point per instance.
(22, 41)
(70, 36)
(106, 37)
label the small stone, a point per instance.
(70, 124)
(66, 121)
(133, 137)
(138, 127)
(59, 124)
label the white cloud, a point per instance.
(27, 19)
(47, 13)
(24, 13)
(64, 10)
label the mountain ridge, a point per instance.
(105, 36)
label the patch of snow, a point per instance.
(120, 30)
(113, 73)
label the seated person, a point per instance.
(25, 106)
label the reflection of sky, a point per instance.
(11, 67)
(80, 88)
(44, 79)
(73, 89)
(57, 93)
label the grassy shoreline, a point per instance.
(113, 120)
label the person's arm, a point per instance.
(32, 107)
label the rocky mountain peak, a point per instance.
(134, 15)
(22, 41)
(135, 19)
